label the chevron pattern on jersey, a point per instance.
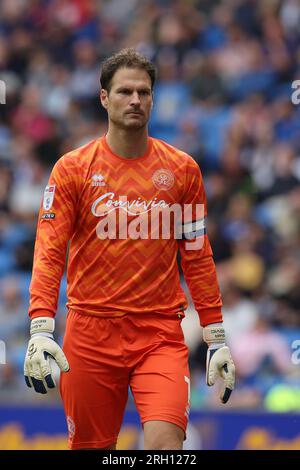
(114, 276)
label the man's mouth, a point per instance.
(135, 113)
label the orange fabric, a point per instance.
(114, 277)
(106, 356)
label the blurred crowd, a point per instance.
(225, 73)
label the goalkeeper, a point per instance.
(125, 302)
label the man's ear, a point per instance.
(104, 98)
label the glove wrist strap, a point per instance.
(46, 335)
(216, 345)
(214, 335)
(43, 326)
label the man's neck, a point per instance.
(127, 144)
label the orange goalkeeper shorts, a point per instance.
(107, 355)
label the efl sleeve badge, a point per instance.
(48, 197)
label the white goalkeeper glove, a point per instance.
(218, 360)
(42, 347)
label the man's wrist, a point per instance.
(214, 335)
(42, 326)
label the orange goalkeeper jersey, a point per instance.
(121, 259)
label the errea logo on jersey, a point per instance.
(98, 180)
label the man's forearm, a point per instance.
(46, 278)
(201, 278)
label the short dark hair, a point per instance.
(125, 58)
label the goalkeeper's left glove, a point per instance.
(218, 360)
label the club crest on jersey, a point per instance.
(48, 197)
(98, 180)
(163, 179)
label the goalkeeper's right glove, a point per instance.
(41, 348)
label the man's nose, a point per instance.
(135, 98)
